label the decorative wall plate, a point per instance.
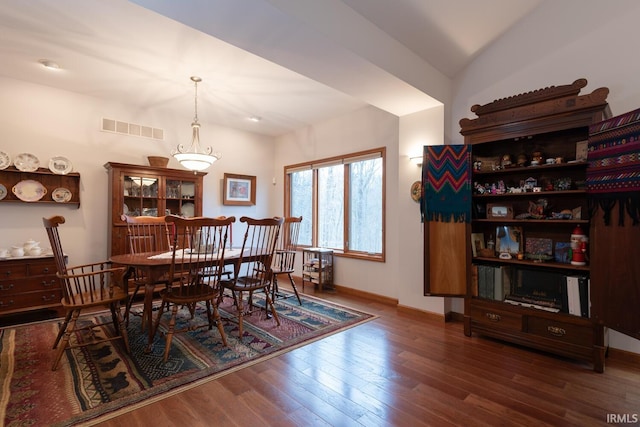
(5, 160)
(416, 191)
(188, 189)
(61, 195)
(29, 190)
(3, 191)
(188, 210)
(60, 165)
(26, 162)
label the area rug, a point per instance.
(98, 382)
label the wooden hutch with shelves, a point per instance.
(11, 176)
(146, 190)
(30, 283)
(517, 290)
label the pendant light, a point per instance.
(195, 158)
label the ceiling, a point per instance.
(291, 62)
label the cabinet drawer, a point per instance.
(42, 269)
(11, 270)
(496, 318)
(561, 331)
(29, 300)
(29, 284)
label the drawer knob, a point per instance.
(557, 331)
(2, 304)
(50, 283)
(47, 299)
(46, 270)
(493, 317)
(3, 288)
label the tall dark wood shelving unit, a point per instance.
(553, 121)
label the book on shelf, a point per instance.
(492, 282)
(578, 301)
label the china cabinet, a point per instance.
(39, 186)
(317, 267)
(149, 191)
(529, 201)
(29, 283)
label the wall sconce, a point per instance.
(416, 160)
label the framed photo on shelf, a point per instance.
(499, 211)
(477, 243)
(239, 190)
(508, 240)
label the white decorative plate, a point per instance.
(5, 160)
(3, 191)
(26, 162)
(29, 190)
(61, 195)
(60, 165)
(188, 210)
(188, 189)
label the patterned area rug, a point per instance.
(98, 382)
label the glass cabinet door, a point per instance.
(180, 197)
(141, 196)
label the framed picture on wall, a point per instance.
(239, 190)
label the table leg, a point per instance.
(147, 315)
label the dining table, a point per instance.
(154, 265)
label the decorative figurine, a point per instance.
(521, 160)
(506, 161)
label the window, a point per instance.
(341, 200)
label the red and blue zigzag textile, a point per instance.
(613, 173)
(446, 183)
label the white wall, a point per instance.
(48, 122)
(558, 43)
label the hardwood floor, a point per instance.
(405, 369)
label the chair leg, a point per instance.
(63, 328)
(130, 303)
(156, 323)
(170, 330)
(269, 302)
(218, 321)
(122, 326)
(65, 339)
(240, 310)
(293, 285)
(274, 287)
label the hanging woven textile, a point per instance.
(613, 173)
(446, 183)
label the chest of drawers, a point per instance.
(28, 283)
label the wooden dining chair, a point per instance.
(285, 256)
(253, 270)
(145, 234)
(85, 287)
(197, 264)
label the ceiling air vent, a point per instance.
(116, 126)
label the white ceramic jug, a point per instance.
(17, 251)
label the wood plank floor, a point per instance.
(405, 369)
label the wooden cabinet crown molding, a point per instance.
(543, 105)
